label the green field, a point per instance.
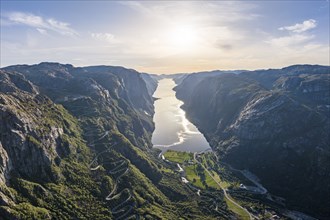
(178, 156)
(193, 176)
(166, 170)
(224, 184)
(210, 182)
(236, 209)
(231, 206)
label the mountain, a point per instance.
(151, 82)
(75, 143)
(274, 123)
(192, 79)
(95, 88)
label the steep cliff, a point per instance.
(151, 82)
(275, 123)
(37, 137)
(75, 144)
(193, 79)
(116, 90)
(33, 130)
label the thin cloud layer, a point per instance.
(166, 36)
(41, 24)
(107, 37)
(292, 40)
(300, 27)
(297, 36)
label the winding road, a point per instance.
(123, 209)
(259, 189)
(121, 202)
(223, 189)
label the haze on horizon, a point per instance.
(166, 37)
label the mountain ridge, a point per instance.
(90, 130)
(272, 122)
(76, 143)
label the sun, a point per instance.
(183, 37)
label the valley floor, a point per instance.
(242, 194)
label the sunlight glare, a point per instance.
(183, 37)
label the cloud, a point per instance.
(42, 31)
(302, 27)
(296, 36)
(292, 40)
(226, 47)
(110, 38)
(138, 6)
(213, 13)
(41, 24)
(218, 24)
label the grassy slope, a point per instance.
(193, 174)
(81, 193)
(178, 156)
(239, 211)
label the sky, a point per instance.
(166, 36)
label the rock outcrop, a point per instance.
(53, 118)
(116, 90)
(273, 122)
(31, 130)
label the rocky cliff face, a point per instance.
(131, 85)
(75, 143)
(39, 138)
(151, 82)
(193, 79)
(5, 165)
(31, 130)
(36, 135)
(275, 123)
(116, 90)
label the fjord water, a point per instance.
(172, 129)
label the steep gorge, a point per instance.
(274, 123)
(75, 143)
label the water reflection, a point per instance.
(172, 129)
